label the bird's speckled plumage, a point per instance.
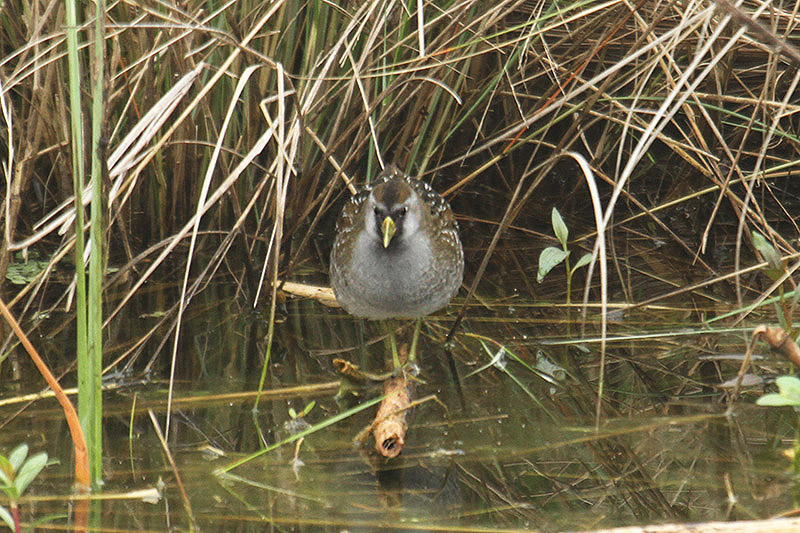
(422, 267)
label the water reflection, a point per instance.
(521, 450)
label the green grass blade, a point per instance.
(96, 266)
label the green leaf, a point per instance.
(24, 273)
(292, 413)
(550, 257)
(774, 400)
(788, 393)
(766, 249)
(46, 519)
(7, 518)
(11, 492)
(781, 315)
(551, 370)
(789, 387)
(6, 472)
(17, 456)
(583, 261)
(29, 471)
(559, 227)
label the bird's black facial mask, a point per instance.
(390, 207)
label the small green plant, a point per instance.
(552, 256)
(788, 393)
(16, 473)
(307, 409)
(297, 421)
(775, 270)
(24, 268)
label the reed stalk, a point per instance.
(89, 314)
(96, 259)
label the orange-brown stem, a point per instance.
(82, 479)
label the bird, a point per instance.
(397, 251)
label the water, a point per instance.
(507, 437)
(514, 447)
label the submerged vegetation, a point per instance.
(665, 134)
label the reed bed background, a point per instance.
(253, 116)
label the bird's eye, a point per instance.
(403, 211)
(377, 211)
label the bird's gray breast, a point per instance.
(392, 282)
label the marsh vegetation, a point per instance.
(230, 135)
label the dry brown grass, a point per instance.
(231, 134)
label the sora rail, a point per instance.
(397, 253)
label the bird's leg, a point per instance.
(362, 345)
(412, 356)
(393, 344)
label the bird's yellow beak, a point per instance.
(388, 228)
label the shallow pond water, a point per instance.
(513, 446)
